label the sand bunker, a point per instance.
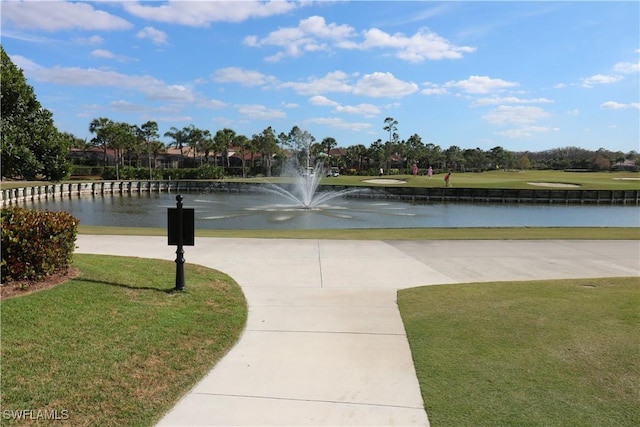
(553, 184)
(384, 181)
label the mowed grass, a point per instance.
(114, 346)
(463, 233)
(498, 179)
(522, 179)
(548, 353)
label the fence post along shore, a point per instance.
(11, 196)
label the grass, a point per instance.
(114, 346)
(527, 354)
(490, 179)
(479, 233)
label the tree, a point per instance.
(207, 145)
(302, 141)
(328, 144)
(356, 154)
(243, 145)
(148, 132)
(30, 144)
(96, 127)
(524, 163)
(223, 139)
(476, 159)
(414, 148)
(120, 137)
(390, 126)
(390, 147)
(180, 138)
(376, 153)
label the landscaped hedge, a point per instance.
(35, 243)
(78, 170)
(131, 173)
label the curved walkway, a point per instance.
(324, 343)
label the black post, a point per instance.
(180, 250)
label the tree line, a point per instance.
(31, 146)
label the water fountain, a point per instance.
(304, 194)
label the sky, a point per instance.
(525, 76)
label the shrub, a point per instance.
(127, 173)
(35, 243)
(209, 172)
(202, 172)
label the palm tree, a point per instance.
(243, 144)
(180, 138)
(96, 126)
(206, 145)
(119, 137)
(148, 132)
(224, 138)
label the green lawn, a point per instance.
(493, 179)
(490, 179)
(114, 347)
(548, 353)
(480, 233)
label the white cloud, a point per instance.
(212, 103)
(335, 81)
(311, 34)
(126, 106)
(314, 34)
(480, 84)
(103, 53)
(338, 123)
(383, 85)
(260, 112)
(612, 105)
(509, 100)
(419, 47)
(149, 86)
(202, 13)
(365, 110)
(322, 101)
(92, 40)
(156, 36)
(599, 79)
(627, 67)
(241, 76)
(107, 54)
(517, 115)
(24, 64)
(56, 15)
(525, 132)
(433, 89)
(175, 119)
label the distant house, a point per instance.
(92, 156)
(627, 165)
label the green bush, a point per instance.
(35, 243)
(202, 172)
(209, 172)
(126, 173)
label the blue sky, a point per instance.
(527, 76)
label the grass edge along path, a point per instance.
(553, 352)
(471, 233)
(114, 346)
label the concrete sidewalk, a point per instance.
(324, 342)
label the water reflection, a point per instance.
(262, 211)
